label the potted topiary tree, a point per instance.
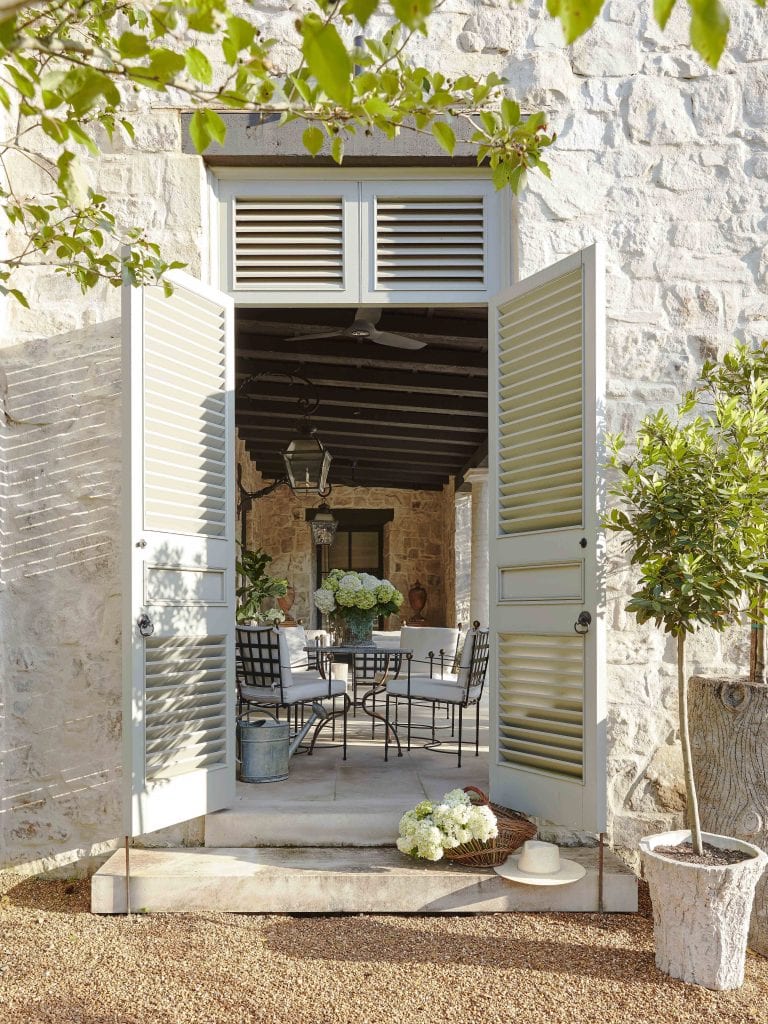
(693, 510)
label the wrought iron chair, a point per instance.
(270, 679)
(459, 690)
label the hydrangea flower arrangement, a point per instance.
(430, 828)
(356, 598)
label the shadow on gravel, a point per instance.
(52, 896)
(628, 959)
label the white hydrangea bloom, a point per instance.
(350, 581)
(325, 601)
(368, 581)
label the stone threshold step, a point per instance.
(351, 881)
(305, 824)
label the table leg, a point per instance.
(391, 731)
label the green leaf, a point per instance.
(240, 31)
(217, 128)
(198, 131)
(709, 29)
(132, 45)
(198, 65)
(576, 16)
(662, 10)
(376, 107)
(313, 140)
(510, 112)
(25, 86)
(444, 135)
(72, 180)
(337, 148)
(327, 59)
(412, 13)
(361, 10)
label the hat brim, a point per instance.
(569, 871)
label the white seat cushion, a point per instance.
(311, 686)
(421, 640)
(295, 641)
(387, 638)
(424, 688)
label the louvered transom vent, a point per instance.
(294, 241)
(541, 703)
(540, 408)
(184, 414)
(185, 705)
(430, 243)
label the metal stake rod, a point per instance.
(600, 852)
(127, 878)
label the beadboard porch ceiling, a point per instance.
(391, 417)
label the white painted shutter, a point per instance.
(430, 240)
(546, 424)
(179, 553)
(299, 240)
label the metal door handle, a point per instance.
(146, 625)
(582, 624)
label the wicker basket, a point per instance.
(514, 829)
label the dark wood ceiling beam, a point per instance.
(363, 474)
(329, 352)
(338, 399)
(456, 426)
(446, 464)
(323, 378)
(268, 435)
(406, 321)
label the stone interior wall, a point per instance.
(661, 158)
(417, 545)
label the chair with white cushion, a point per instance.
(273, 676)
(460, 690)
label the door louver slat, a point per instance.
(541, 698)
(277, 239)
(534, 384)
(185, 704)
(430, 242)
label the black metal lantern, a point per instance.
(323, 526)
(307, 462)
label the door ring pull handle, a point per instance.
(582, 624)
(146, 625)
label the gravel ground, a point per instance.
(60, 964)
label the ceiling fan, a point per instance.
(363, 328)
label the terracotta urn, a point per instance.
(285, 603)
(417, 598)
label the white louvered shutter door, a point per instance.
(179, 553)
(546, 422)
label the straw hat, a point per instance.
(540, 864)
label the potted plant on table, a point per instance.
(693, 509)
(256, 587)
(353, 601)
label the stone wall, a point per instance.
(417, 543)
(663, 159)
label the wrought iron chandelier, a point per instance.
(323, 526)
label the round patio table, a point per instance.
(374, 665)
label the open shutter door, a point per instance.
(547, 410)
(179, 554)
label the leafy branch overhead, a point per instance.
(71, 69)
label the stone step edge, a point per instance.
(331, 880)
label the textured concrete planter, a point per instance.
(729, 739)
(701, 914)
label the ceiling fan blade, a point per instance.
(395, 340)
(371, 314)
(316, 337)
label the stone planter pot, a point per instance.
(729, 738)
(701, 914)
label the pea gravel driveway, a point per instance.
(60, 964)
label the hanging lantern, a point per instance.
(307, 462)
(323, 526)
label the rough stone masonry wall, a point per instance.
(664, 160)
(417, 545)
